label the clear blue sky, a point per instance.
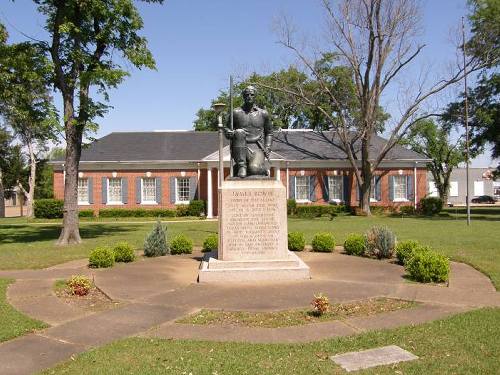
(197, 44)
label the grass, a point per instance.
(440, 346)
(287, 318)
(13, 323)
(32, 245)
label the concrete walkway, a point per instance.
(156, 292)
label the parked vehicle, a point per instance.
(484, 199)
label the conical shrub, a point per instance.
(156, 241)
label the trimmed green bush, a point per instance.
(156, 241)
(380, 242)
(136, 212)
(79, 285)
(196, 208)
(291, 205)
(428, 266)
(404, 249)
(123, 252)
(355, 244)
(296, 241)
(430, 206)
(323, 242)
(312, 211)
(211, 243)
(407, 210)
(182, 210)
(48, 208)
(101, 257)
(181, 244)
(86, 213)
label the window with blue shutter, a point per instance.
(291, 187)
(138, 198)
(104, 190)
(91, 190)
(158, 190)
(410, 194)
(171, 186)
(312, 188)
(124, 183)
(347, 189)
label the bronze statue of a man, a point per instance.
(251, 137)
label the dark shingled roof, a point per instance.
(191, 145)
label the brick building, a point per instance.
(165, 169)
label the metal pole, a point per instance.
(466, 120)
(221, 156)
(231, 167)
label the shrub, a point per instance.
(156, 242)
(79, 285)
(48, 208)
(196, 208)
(430, 206)
(86, 213)
(312, 211)
(404, 250)
(291, 206)
(380, 242)
(355, 244)
(137, 212)
(320, 304)
(407, 210)
(323, 242)
(296, 241)
(181, 245)
(123, 252)
(426, 266)
(182, 210)
(211, 243)
(101, 257)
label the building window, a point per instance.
(83, 191)
(335, 188)
(148, 190)
(114, 190)
(182, 190)
(478, 188)
(453, 188)
(302, 188)
(400, 192)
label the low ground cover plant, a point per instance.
(136, 212)
(79, 285)
(380, 242)
(101, 257)
(404, 249)
(181, 244)
(296, 241)
(123, 252)
(48, 208)
(156, 242)
(211, 243)
(323, 242)
(355, 244)
(425, 265)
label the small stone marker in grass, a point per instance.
(386, 355)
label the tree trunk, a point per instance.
(366, 173)
(31, 182)
(70, 233)
(2, 197)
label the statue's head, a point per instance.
(249, 95)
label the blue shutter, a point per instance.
(377, 187)
(312, 190)
(172, 189)
(326, 189)
(158, 190)
(124, 182)
(391, 188)
(192, 188)
(347, 190)
(291, 187)
(104, 189)
(90, 187)
(138, 195)
(409, 188)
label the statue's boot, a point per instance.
(242, 171)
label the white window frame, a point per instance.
(83, 203)
(110, 202)
(144, 201)
(453, 189)
(177, 200)
(330, 195)
(405, 179)
(373, 198)
(307, 200)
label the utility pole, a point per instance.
(466, 120)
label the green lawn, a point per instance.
(32, 245)
(13, 323)
(440, 346)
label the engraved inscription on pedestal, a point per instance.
(253, 224)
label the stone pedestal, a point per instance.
(252, 235)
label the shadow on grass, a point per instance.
(26, 234)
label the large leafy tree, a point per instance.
(434, 141)
(90, 40)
